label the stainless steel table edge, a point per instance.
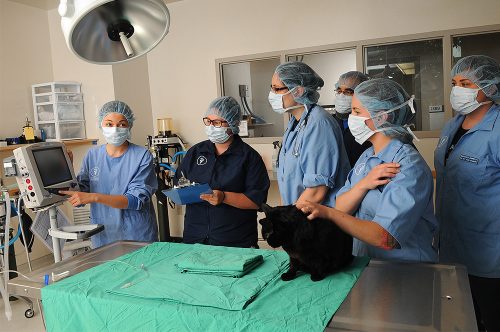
(32, 289)
(438, 295)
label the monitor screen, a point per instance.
(52, 166)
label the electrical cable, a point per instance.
(170, 168)
(22, 231)
(3, 286)
(14, 238)
(180, 153)
(19, 273)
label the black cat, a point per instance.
(318, 247)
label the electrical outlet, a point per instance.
(243, 90)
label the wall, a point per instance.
(32, 50)
(183, 65)
(131, 84)
(25, 60)
(97, 80)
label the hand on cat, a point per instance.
(215, 198)
(313, 210)
(379, 175)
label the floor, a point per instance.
(19, 322)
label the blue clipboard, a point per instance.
(188, 195)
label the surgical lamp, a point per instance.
(113, 31)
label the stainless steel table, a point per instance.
(387, 297)
(22, 287)
(407, 297)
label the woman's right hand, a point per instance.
(78, 198)
(313, 210)
(379, 175)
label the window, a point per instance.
(415, 61)
(484, 44)
(418, 67)
(329, 65)
(249, 83)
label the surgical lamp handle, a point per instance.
(126, 44)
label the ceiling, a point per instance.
(51, 4)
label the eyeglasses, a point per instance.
(345, 92)
(215, 123)
(278, 89)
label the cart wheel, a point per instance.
(29, 313)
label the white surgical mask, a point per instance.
(343, 104)
(276, 101)
(464, 100)
(217, 135)
(115, 135)
(359, 129)
(362, 132)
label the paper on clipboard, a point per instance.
(188, 194)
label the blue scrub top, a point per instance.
(312, 155)
(468, 195)
(239, 169)
(132, 175)
(404, 207)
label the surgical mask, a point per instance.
(115, 135)
(276, 101)
(343, 104)
(359, 129)
(362, 132)
(217, 135)
(464, 100)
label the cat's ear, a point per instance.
(265, 208)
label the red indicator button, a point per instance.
(30, 187)
(28, 181)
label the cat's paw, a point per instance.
(317, 277)
(287, 276)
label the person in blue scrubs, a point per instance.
(312, 163)
(344, 89)
(387, 201)
(118, 180)
(467, 161)
(237, 176)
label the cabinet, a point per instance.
(58, 108)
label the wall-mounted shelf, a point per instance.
(89, 141)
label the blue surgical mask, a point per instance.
(464, 100)
(217, 135)
(276, 101)
(343, 104)
(115, 135)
